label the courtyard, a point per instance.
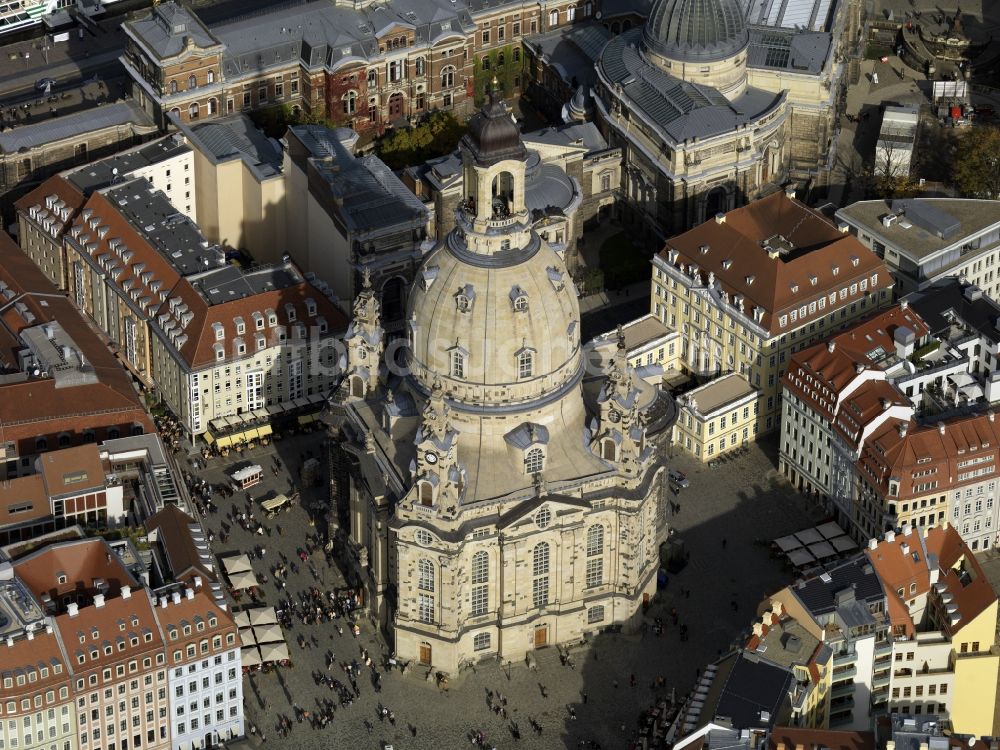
(740, 503)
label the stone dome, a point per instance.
(696, 30)
(493, 135)
(488, 310)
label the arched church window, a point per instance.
(525, 363)
(534, 461)
(480, 584)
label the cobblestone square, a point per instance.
(715, 595)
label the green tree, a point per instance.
(437, 135)
(977, 163)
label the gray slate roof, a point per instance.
(796, 51)
(321, 34)
(818, 594)
(947, 296)
(369, 195)
(572, 53)
(754, 685)
(237, 137)
(99, 174)
(682, 110)
(164, 29)
(73, 126)
(585, 134)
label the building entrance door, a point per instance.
(541, 636)
(395, 106)
(425, 653)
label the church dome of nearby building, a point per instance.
(696, 30)
(497, 330)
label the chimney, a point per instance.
(720, 218)
(48, 628)
(799, 746)
(189, 594)
(905, 548)
(890, 536)
(907, 528)
(126, 592)
(843, 227)
(72, 609)
(163, 602)
(945, 524)
(790, 192)
(831, 345)
(176, 597)
(885, 404)
(758, 628)
(31, 635)
(904, 304)
(859, 368)
(873, 544)
(903, 429)
(927, 531)
(98, 600)
(941, 427)
(890, 745)
(197, 582)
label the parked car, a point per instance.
(678, 478)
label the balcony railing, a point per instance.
(840, 659)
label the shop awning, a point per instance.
(274, 652)
(236, 564)
(270, 633)
(801, 557)
(259, 413)
(264, 430)
(209, 438)
(247, 637)
(316, 398)
(242, 620)
(242, 580)
(262, 616)
(250, 656)
(307, 418)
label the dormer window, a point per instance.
(220, 332)
(258, 321)
(835, 270)
(239, 347)
(220, 352)
(290, 313)
(323, 325)
(534, 461)
(310, 307)
(519, 299)
(261, 341)
(855, 260)
(240, 326)
(462, 303)
(272, 318)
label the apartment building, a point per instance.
(783, 641)
(651, 349)
(111, 639)
(844, 607)
(62, 386)
(240, 187)
(216, 340)
(923, 240)
(943, 614)
(43, 216)
(36, 702)
(750, 288)
(205, 675)
(718, 417)
(132, 668)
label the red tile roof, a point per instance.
(905, 562)
(57, 186)
(820, 374)
(789, 738)
(23, 491)
(173, 529)
(36, 407)
(923, 454)
(80, 562)
(40, 652)
(823, 261)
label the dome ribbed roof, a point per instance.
(696, 30)
(493, 135)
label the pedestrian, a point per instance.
(631, 680)
(584, 699)
(614, 684)
(723, 542)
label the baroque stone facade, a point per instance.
(480, 523)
